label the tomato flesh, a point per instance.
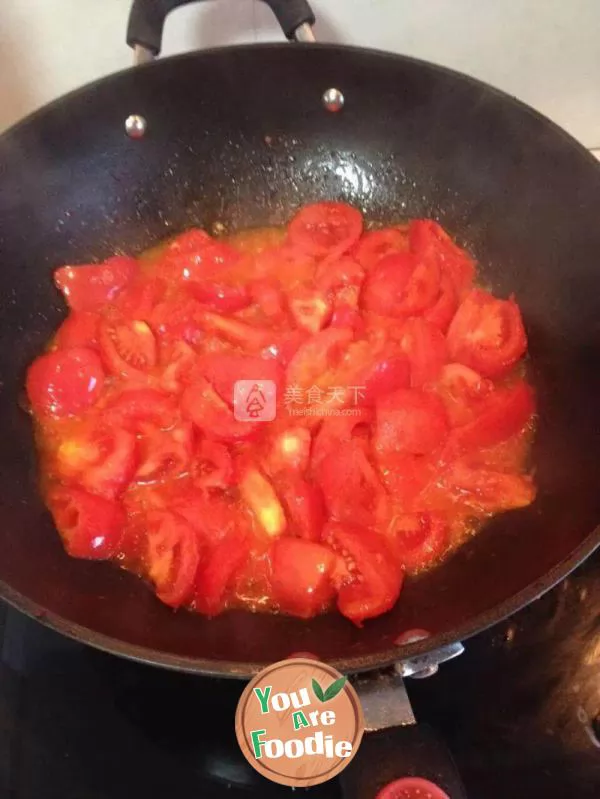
(302, 573)
(88, 287)
(90, 526)
(65, 382)
(325, 229)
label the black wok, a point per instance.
(241, 136)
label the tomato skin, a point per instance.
(442, 311)
(80, 329)
(102, 461)
(325, 229)
(128, 348)
(202, 405)
(305, 506)
(366, 554)
(410, 421)
(425, 347)
(212, 516)
(331, 275)
(254, 338)
(489, 491)
(218, 570)
(139, 406)
(220, 296)
(173, 554)
(177, 319)
(400, 285)
(377, 244)
(420, 539)
(429, 241)
(317, 355)
(487, 334)
(383, 377)
(195, 256)
(140, 297)
(301, 576)
(65, 382)
(90, 526)
(90, 286)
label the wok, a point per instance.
(241, 136)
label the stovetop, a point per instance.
(520, 711)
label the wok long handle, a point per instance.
(147, 20)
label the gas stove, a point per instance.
(520, 711)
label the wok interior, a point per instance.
(241, 137)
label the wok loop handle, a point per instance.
(147, 21)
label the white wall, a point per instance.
(547, 52)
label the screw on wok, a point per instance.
(135, 126)
(333, 100)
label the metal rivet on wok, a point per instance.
(333, 100)
(135, 126)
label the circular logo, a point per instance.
(299, 722)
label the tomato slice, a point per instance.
(334, 275)
(172, 557)
(289, 451)
(219, 295)
(348, 317)
(214, 468)
(140, 297)
(137, 406)
(90, 526)
(406, 476)
(461, 390)
(489, 491)
(164, 454)
(80, 329)
(218, 571)
(410, 421)
(411, 788)
(65, 382)
(425, 347)
(384, 375)
(259, 495)
(420, 539)
(102, 461)
(442, 311)
(325, 229)
(310, 309)
(316, 356)
(212, 515)
(336, 430)
(201, 404)
(195, 256)
(369, 579)
(430, 242)
(267, 294)
(377, 244)
(487, 334)
(128, 348)
(304, 505)
(181, 366)
(178, 319)
(254, 338)
(88, 287)
(223, 370)
(301, 577)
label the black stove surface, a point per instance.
(520, 710)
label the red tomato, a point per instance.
(202, 405)
(287, 264)
(260, 497)
(290, 450)
(400, 285)
(195, 256)
(215, 466)
(411, 788)
(172, 557)
(254, 338)
(407, 476)
(284, 346)
(220, 296)
(462, 391)
(346, 316)
(487, 334)
(218, 570)
(409, 421)
(164, 454)
(376, 244)
(332, 275)
(420, 539)
(351, 486)
(80, 329)
(302, 576)
(320, 353)
(102, 461)
(137, 406)
(425, 347)
(369, 579)
(212, 516)
(267, 294)
(442, 312)
(223, 370)
(140, 297)
(65, 382)
(383, 376)
(304, 505)
(90, 526)
(181, 366)
(88, 287)
(336, 430)
(488, 491)
(325, 229)
(128, 348)
(310, 309)
(177, 319)
(430, 242)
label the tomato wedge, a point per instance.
(304, 505)
(377, 244)
(128, 348)
(178, 319)
(219, 295)
(139, 406)
(430, 242)
(289, 451)
(214, 468)
(442, 311)
(102, 461)
(164, 454)
(316, 356)
(310, 309)
(65, 382)
(90, 526)
(140, 297)
(301, 579)
(489, 491)
(425, 347)
(462, 391)
(218, 570)
(201, 404)
(259, 495)
(401, 285)
(195, 256)
(487, 334)
(369, 579)
(420, 539)
(80, 329)
(409, 421)
(224, 369)
(172, 557)
(89, 287)
(325, 229)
